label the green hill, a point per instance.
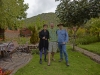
(44, 18)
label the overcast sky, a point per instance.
(40, 6)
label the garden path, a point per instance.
(92, 55)
(17, 63)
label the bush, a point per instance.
(35, 51)
(93, 27)
(23, 40)
(87, 40)
(34, 37)
(80, 32)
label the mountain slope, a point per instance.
(44, 18)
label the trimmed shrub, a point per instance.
(34, 37)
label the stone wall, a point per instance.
(12, 33)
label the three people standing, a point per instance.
(55, 36)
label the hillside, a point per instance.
(44, 18)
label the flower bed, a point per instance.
(5, 71)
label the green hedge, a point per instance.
(87, 40)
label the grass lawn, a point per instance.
(79, 65)
(94, 47)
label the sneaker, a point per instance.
(53, 59)
(40, 61)
(45, 60)
(48, 64)
(60, 60)
(67, 64)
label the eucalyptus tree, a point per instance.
(75, 13)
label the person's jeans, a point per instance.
(45, 52)
(62, 48)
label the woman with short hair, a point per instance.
(43, 43)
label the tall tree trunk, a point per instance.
(74, 37)
(74, 40)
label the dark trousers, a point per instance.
(41, 52)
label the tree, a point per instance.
(38, 23)
(77, 12)
(12, 12)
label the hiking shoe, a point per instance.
(67, 64)
(45, 60)
(53, 59)
(40, 61)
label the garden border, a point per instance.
(92, 55)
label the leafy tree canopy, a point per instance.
(12, 12)
(74, 13)
(77, 12)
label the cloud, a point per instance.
(40, 6)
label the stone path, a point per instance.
(17, 63)
(92, 55)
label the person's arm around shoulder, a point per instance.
(57, 31)
(48, 35)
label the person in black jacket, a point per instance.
(43, 43)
